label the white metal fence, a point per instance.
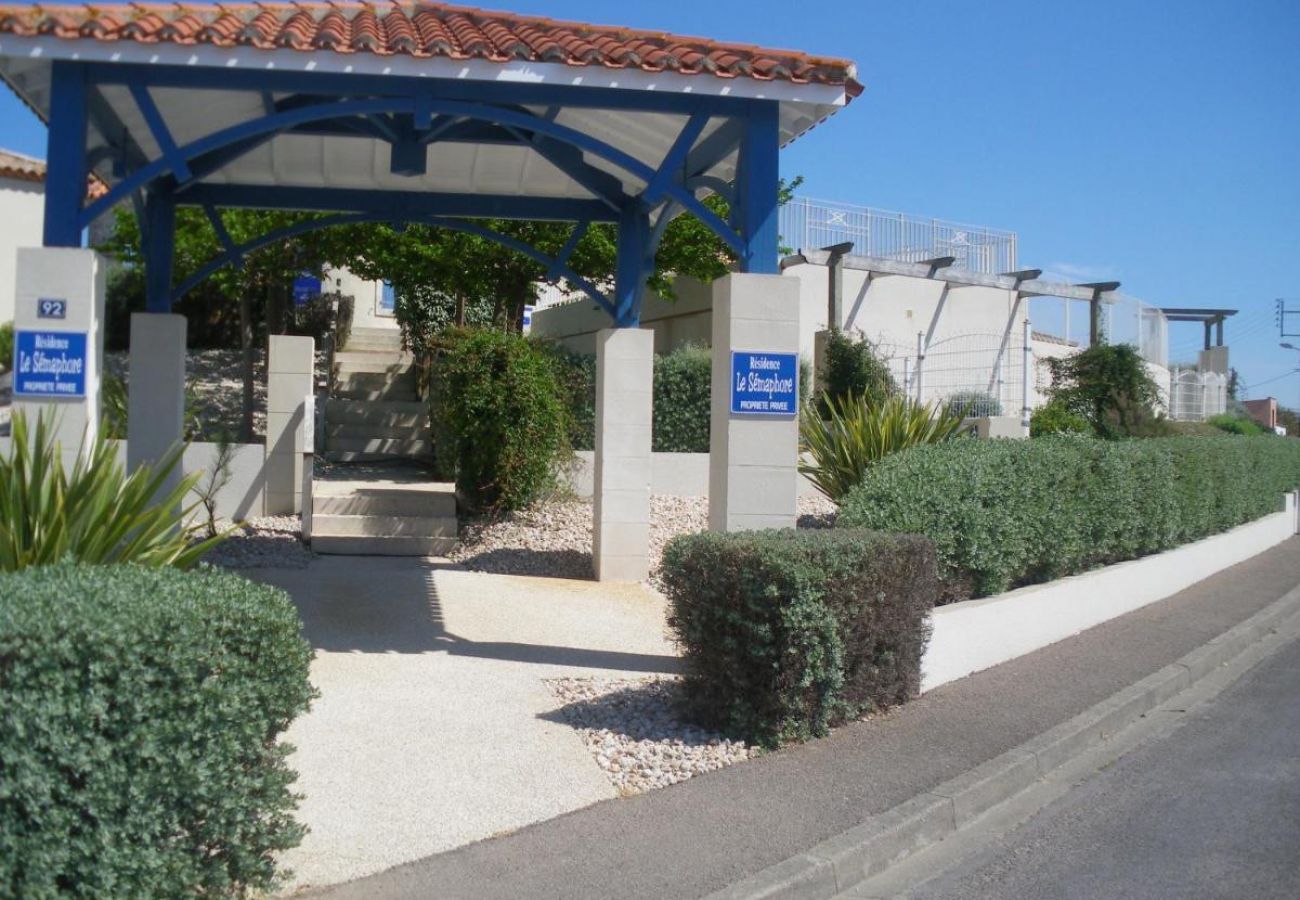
(1196, 396)
(807, 224)
(983, 374)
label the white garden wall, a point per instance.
(23, 203)
(677, 474)
(978, 634)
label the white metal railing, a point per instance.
(1196, 396)
(807, 224)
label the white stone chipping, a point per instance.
(634, 731)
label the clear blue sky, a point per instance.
(1154, 142)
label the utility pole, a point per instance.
(1287, 318)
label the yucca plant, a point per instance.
(96, 513)
(856, 433)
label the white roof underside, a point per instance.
(363, 162)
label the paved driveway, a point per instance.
(429, 732)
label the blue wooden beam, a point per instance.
(671, 168)
(176, 160)
(160, 212)
(354, 84)
(396, 204)
(631, 265)
(757, 188)
(65, 155)
(223, 236)
(567, 250)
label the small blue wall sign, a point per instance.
(49, 308)
(49, 364)
(306, 288)
(764, 384)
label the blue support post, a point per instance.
(757, 185)
(65, 179)
(160, 214)
(631, 267)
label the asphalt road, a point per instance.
(1211, 810)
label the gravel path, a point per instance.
(632, 728)
(554, 539)
(270, 542)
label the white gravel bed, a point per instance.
(554, 539)
(634, 732)
(269, 542)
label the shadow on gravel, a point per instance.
(643, 711)
(538, 563)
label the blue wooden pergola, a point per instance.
(175, 110)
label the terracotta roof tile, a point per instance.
(421, 30)
(25, 168)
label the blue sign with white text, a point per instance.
(306, 288)
(49, 364)
(764, 384)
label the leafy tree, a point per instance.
(1107, 385)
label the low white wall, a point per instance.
(242, 496)
(977, 634)
(678, 474)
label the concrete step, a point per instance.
(380, 413)
(366, 431)
(364, 502)
(364, 456)
(376, 387)
(388, 446)
(330, 525)
(383, 363)
(346, 545)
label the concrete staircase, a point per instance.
(397, 516)
(377, 499)
(374, 413)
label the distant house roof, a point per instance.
(28, 168)
(423, 31)
(20, 167)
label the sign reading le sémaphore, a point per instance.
(49, 364)
(764, 384)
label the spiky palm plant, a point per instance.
(95, 513)
(857, 433)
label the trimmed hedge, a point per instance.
(499, 422)
(1007, 513)
(787, 633)
(682, 384)
(139, 752)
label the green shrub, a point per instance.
(854, 369)
(1235, 424)
(6, 346)
(856, 434)
(139, 754)
(576, 375)
(682, 385)
(95, 513)
(1054, 417)
(973, 404)
(1008, 513)
(497, 417)
(785, 634)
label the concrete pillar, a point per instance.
(59, 341)
(155, 416)
(820, 341)
(753, 458)
(624, 391)
(289, 381)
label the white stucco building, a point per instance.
(22, 205)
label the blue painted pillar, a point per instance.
(757, 182)
(158, 236)
(65, 154)
(632, 266)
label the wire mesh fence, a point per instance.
(1196, 396)
(979, 374)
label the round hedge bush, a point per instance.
(142, 708)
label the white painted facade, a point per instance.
(367, 298)
(22, 217)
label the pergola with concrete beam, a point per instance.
(410, 112)
(1212, 319)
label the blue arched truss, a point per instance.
(411, 114)
(556, 266)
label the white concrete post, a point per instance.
(620, 535)
(1027, 375)
(753, 459)
(155, 408)
(59, 341)
(289, 379)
